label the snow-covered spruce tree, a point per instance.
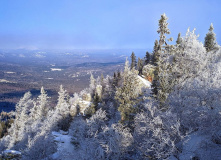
(210, 40)
(155, 59)
(159, 89)
(92, 84)
(108, 90)
(127, 94)
(39, 111)
(29, 134)
(63, 108)
(163, 29)
(42, 101)
(63, 104)
(133, 61)
(18, 129)
(165, 79)
(34, 112)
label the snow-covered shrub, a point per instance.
(39, 147)
(148, 72)
(195, 98)
(116, 141)
(190, 59)
(156, 133)
(74, 105)
(198, 102)
(93, 139)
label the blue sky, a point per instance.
(101, 24)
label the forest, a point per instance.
(166, 105)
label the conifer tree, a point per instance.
(155, 60)
(163, 29)
(17, 130)
(118, 75)
(179, 39)
(115, 80)
(102, 79)
(156, 53)
(62, 109)
(133, 61)
(63, 102)
(42, 102)
(210, 39)
(147, 58)
(34, 112)
(127, 94)
(115, 76)
(92, 82)
(140, 65)
(159, 59)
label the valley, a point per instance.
(22, 71)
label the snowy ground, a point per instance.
(64, 146)
(201, 147)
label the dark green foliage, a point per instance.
(64, 123)
(115, 76)
(210, 39)
(5, 123)
(155, 83)
(118, 75)
(133, 61)
(96, 100)
(94, 106)
(155, 53)
(115, 81)
(140, 65)
(127, 94)
(147, 58)
(91, 110)
(159, 49)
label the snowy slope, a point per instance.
(144, 81)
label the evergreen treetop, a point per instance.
(147, 58)
(133, 61)
(179, 39)
(210, 40)
(163, 29)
